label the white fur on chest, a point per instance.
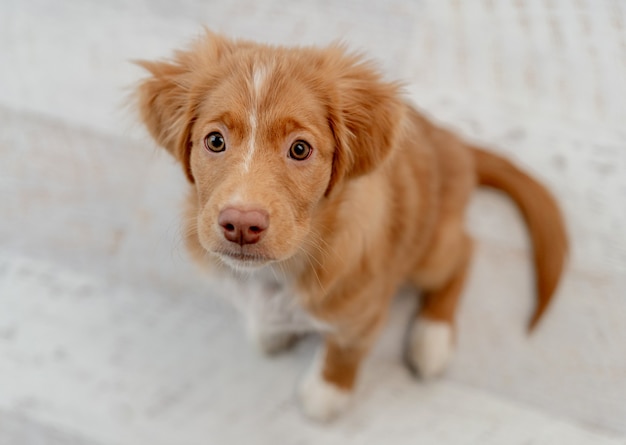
(269, 303)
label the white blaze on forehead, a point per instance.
(259, 75)
(247, 160)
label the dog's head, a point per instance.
(267, 136)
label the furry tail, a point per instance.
(542, 216)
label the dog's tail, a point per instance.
(542, 216)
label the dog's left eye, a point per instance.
(215, 142)
(300, 150)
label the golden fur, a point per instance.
(379, 202)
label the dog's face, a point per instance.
(267, 136)
(261, 157)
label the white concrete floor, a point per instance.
(109, 336)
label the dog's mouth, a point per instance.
(238, 259)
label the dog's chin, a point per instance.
(240, 261)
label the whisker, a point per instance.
(308, 258)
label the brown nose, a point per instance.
(243, 226)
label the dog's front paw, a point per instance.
(430, 347)
(273, 343)
(320, 400)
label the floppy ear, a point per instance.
(167, 100)
(164, 106)
(364, 117)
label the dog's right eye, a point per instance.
(300, 150)
(215, 142)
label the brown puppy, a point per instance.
(314, 177)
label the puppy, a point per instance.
(314, 180)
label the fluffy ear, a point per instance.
(364, 118)
(167, 100)
(163, 101)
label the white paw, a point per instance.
(430, 347)
(272, 343)
(321, 400)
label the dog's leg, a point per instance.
(431, 336)
(327, 388)
(270, 342)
